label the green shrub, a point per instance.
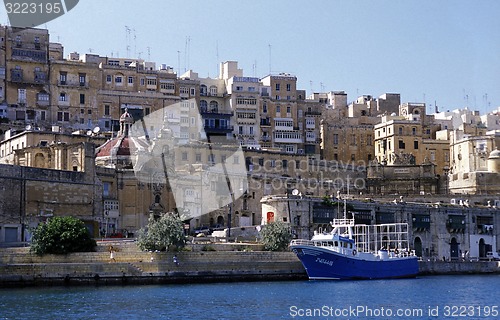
(276, 236)
(162, 233)
(62, 235)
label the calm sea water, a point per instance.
(437, 297)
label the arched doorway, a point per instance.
(220, 220)
(482, 248)
(417, 244)
(454, 248)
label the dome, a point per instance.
(495, 154)
(119, 151)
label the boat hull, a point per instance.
(322, 263)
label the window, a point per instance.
(118, 80)
(278, 109)
(82, 98)
(130, 80)
(42, 116)
(211, 158)
(273, 163)
(106, 109)
(184, 156)
(106, 187)
(193, 91)
(288, 87)
(63, 78)
(284, 163)
(142, 81)
(82, 111)
(240, 130)
(335, 138)
(198, 157)
(62, 116)
(21, 95)
(288, 109)
(213, 90)
(401, 144)
(413, 131)
(433, 155)
(167, 86)
(400, 130)
(82, 78)
(147, 111)
(63, 96)
(415, 145)
(43, 96)
(277, 87)
(151, 81)
(264, 108)
(353, 139)
(109, 79)
(89, 111)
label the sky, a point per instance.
(444, 53)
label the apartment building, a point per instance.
(279, 109)
(25, 53)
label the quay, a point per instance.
(238, 262)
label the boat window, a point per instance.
(350, 245)
(324, 244)
(336, 243)
(330, 243)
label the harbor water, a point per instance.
(427, 297)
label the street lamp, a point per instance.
(229, 217)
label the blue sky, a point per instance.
(443, 51)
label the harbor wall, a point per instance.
(19, 267)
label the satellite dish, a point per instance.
(89, 133)
(96, 130)
(295, 192)
(28, 127)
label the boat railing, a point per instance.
(342, 222)
(302, 242)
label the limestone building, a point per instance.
(31, 195)
(474, 161)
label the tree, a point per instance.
(276, 236)
(161, 233)
(62, 235)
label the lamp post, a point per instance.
(229, 217)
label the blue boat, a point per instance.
(352, 251)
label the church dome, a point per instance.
(119, 151)
(495, 154)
